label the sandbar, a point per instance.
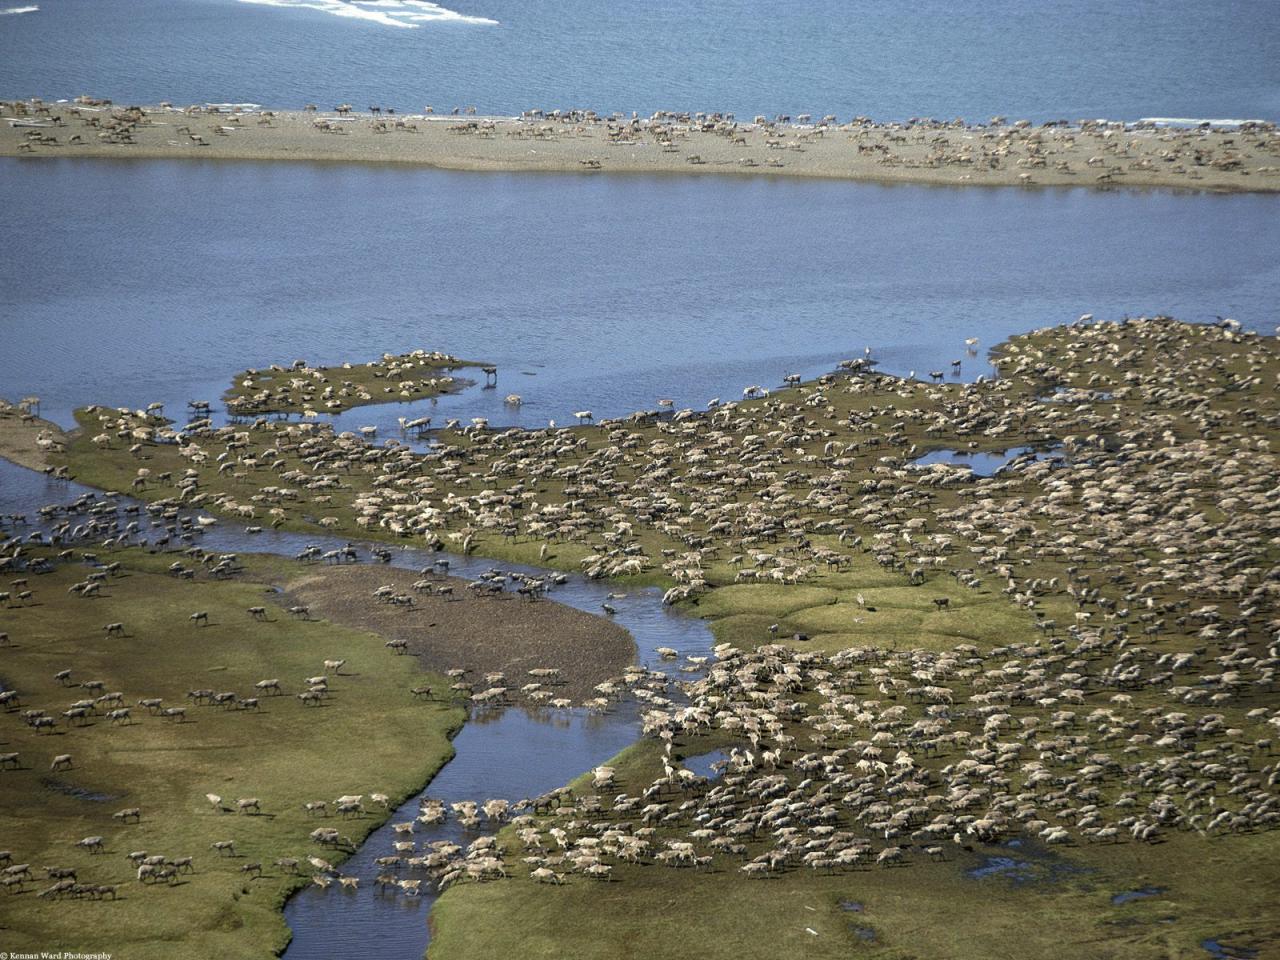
(1084, 153)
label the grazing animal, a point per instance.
(889, 855)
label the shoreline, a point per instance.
(24, 436)
(1098, 155)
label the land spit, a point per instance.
(25, 438)
(1094, 153)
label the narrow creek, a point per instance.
(509, 753)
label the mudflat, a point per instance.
(462, 630)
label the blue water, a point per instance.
(702, 763)
(1225, 951)
(942, 58)
(128, 282)
(982, 464)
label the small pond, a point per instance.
(988, 463)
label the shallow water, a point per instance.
(1019, 871)
(984, 464)
(504, 755)
(1225, 951)
(702, 763)
(1041, 865)
(944, 58)
(613, 292)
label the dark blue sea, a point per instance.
(890, 60)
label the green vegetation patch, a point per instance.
(763, 599)
(281, 752)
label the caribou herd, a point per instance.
(1141, 557)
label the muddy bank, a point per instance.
(503, 633)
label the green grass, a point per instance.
(923, 910)
(889, 616)
(285, 754)
(767, 600)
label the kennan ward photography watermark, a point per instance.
(52, 955)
